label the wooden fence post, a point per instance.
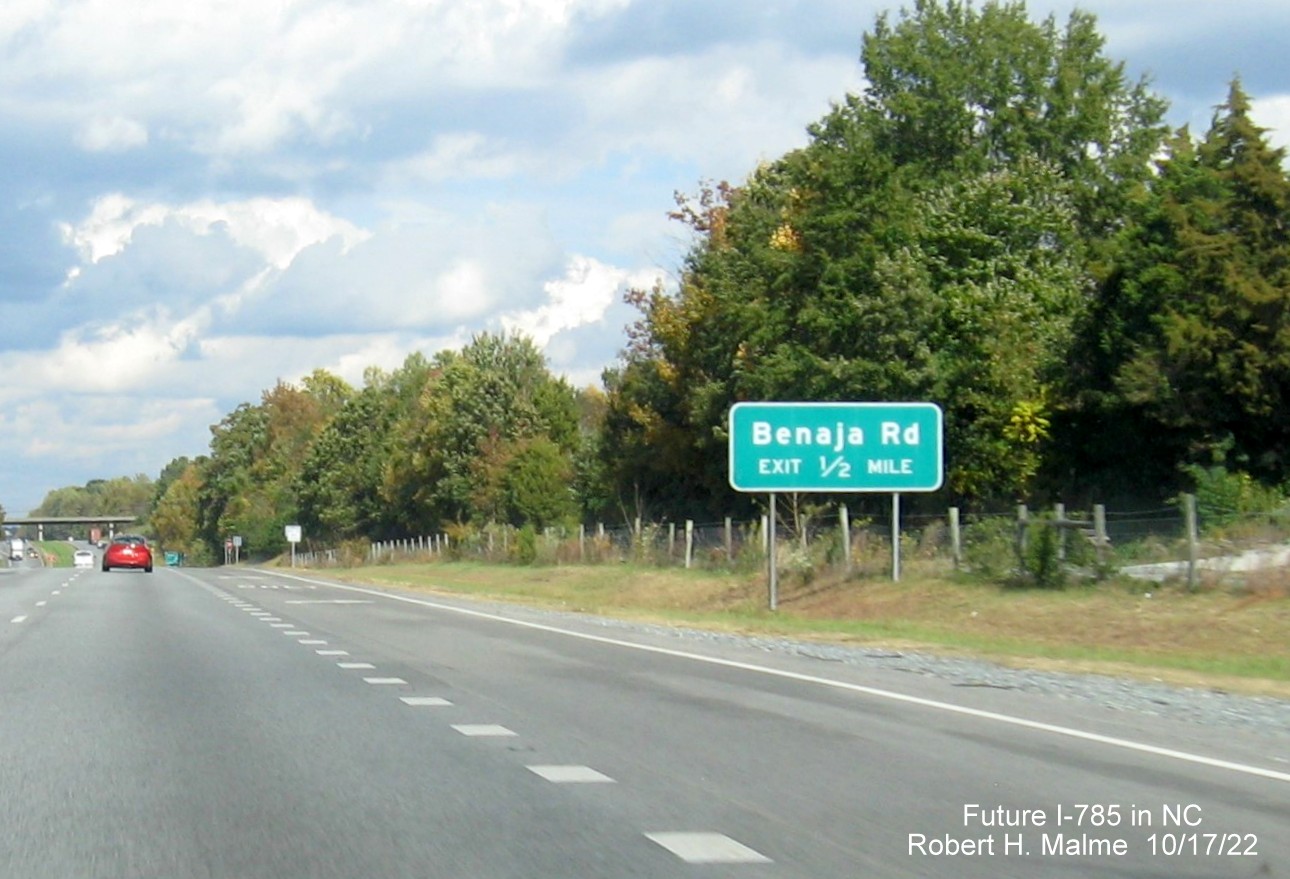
(1193, 539)
(689, 542)
(956, 539)
(1099, 533)
(1059, 513)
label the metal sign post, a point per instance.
(836, 447)
(895, 537)
(770, 556)
(293, 537)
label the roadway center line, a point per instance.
(1012, 720)
(19, 619)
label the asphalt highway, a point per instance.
(239, 724)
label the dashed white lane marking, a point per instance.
(332, 652)
(56, 592)
(571, 774)
(962, 710)
(354, 665)
(281, 625)
(482, 729)
(330, 601)
(41, 603)
(294, 633)
(312, 641)
(385, 681)
(18, 619)
(425, 701)
(707, 848)
(270, 619)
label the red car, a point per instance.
(128, 551)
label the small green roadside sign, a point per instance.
(841, 447)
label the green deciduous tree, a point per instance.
(118, 496)
(340, 480)
(176, 516)
(449, 452)
(936, 240)
(250, 479)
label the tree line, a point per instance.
(1001, 223)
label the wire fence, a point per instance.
(1156, 544)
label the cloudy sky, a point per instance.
(200, 198)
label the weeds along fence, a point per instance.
(1050, 547)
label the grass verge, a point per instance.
(1216, 640)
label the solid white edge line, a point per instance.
(1070, 732)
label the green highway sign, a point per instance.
(847, 447)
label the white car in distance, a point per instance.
(83, 558)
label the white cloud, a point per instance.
(243, 76)
(351, 357)
(16, 15)
(724, 108)
(277, 228)
(112, 134)
(1273, 113)
(463, 156)
(131, 354)
(424, 275)
(122, 429)
(246, 365)
(581, 297)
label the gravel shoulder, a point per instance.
(1260, 715)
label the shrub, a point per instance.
(1224, 496)
(1041, 561)
(990, 548)
(526, 549)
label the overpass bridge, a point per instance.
(41, 521)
